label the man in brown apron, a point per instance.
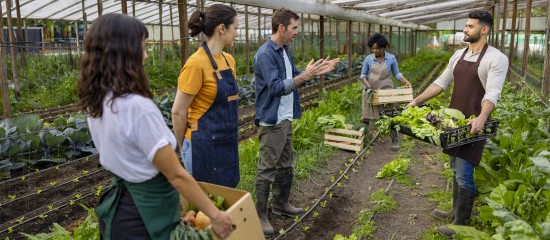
(375, 74)
(478, 73)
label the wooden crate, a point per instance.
(385, 96)
(345, 139)
(240, 205)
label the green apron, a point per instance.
(156, 200)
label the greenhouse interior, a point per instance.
(375, 150)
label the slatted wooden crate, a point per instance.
(385, 96)
(345, 139)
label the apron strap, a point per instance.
(212, 59)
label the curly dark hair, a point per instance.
(379, 39)
(207, 21)
(112, 62)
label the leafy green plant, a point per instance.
(394, 168)
(382, 202)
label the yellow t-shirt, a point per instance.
(197, 78)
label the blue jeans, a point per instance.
(464, 173)
(186, 154)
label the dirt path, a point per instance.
(408, 221)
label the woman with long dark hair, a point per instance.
(204, 114)
(132, 138)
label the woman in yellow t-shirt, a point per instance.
(204, 113)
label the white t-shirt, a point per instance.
(128, 137)
(285, 111)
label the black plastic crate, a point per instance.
(451, 138)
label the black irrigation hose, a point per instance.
(329, 188)
(54, 209)
(26, 176)
(53, 187)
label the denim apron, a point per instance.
(215, 154)
(147, 210)
(467, 95)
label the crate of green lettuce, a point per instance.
(445, 127)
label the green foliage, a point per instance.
(382, 202)
(394, 168)
(514, 176)
(332, 121)
(364, 226)
(88, 230)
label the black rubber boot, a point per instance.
(447, 215)
(281, 192)
(262, 197)
(463, 211)
(394, 140)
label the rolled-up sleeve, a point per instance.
(445, 79)
(495, 79)
(395, 70)
(365, 69)
(268, 70)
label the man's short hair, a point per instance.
(282, 16)
(484, 17)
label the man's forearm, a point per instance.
(486, 109)
(432, 91)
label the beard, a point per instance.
(472, 38)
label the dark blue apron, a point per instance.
(214, 144)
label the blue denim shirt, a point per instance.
(391, 65)
(270, 74)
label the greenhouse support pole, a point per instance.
(99, 7)
(337, 36)
(311, 31)
(246, 49)
(503, 37)
(492, 33)
(184, 35)
(133, 8)
(259, 26)
(330, 33)
(84, 21)
(161, 44)
(13, 53)
(406, 46)
(512, 35)
(20, 34)
(380, 29)
(303, 40)
(496, 28)
(322, 47)
(171, 22)
(527, 38)
(77, 38)
(368, 37)
(390, 47)
(124, 7)
(454, 35)
(350, 60)
(398, 43)
(6, 109)
(546, 75)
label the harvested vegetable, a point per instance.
(333, 121)
(202, 221)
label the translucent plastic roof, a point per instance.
(413, 11)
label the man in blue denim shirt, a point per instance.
(277, 104)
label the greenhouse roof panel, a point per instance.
(397, 12)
